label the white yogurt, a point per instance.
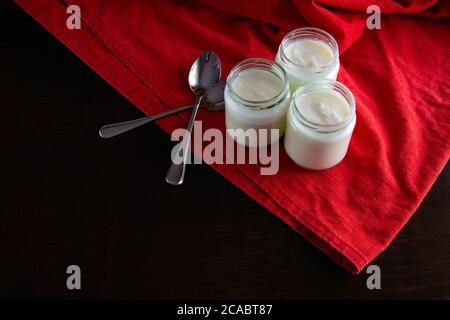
(257, 85)
(324, 107)
(257, 97)
(320, 124)
(308, 54)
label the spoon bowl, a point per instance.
(205, 72)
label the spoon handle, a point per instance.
(175, 175)
(114, 129)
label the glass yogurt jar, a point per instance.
(257, 97)
(308, 54)
(320, 123)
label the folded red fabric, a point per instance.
(398, 74)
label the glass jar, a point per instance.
(308, 54)
(257, 97)
(315, 145)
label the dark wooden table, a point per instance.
(68, 197)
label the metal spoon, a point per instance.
(204, 73)
(213, 101)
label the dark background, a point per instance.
(69, 197)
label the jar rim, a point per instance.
(262, 64)
(328, 39)
(322, 85)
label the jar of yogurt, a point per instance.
(308, 54)
(257, 97)
(320, 122)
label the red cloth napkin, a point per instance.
(398, 74)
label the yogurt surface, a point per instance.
(323, 108)
(308, 53)
(257, 85)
